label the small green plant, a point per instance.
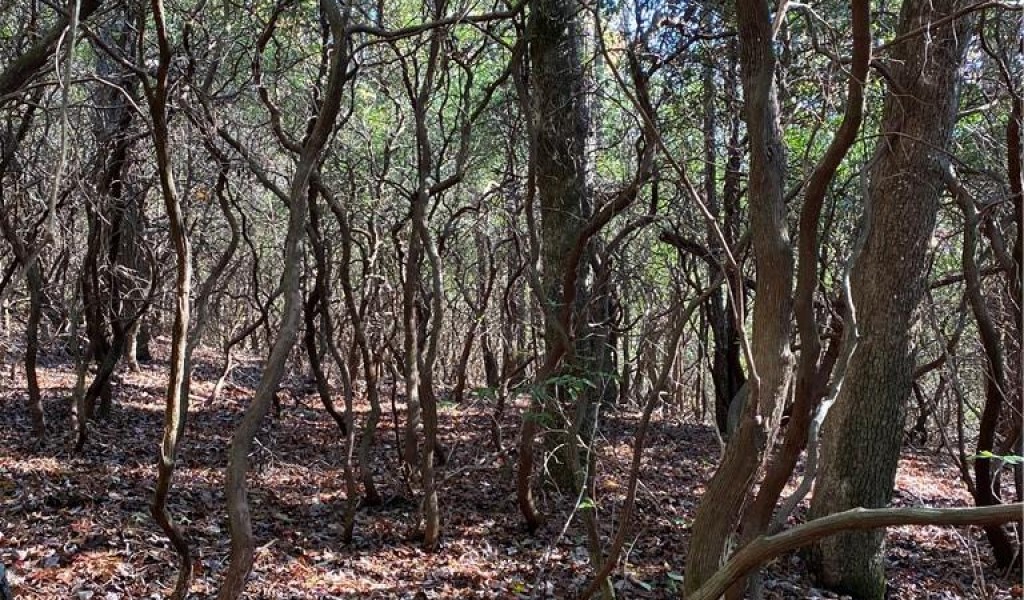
(484, 393)
(542, 418)
(572, 385)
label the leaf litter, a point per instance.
(79, 526)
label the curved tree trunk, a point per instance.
(986, 485)
(764, 549)
(814, 365)
(176, 410)
(26, 258)
(720, 508)
(371, 363)
(235, 488)
(317, 303)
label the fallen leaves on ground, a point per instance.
(79, 526)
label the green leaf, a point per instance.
(486, 393)
(543, 418)
(1010, 459)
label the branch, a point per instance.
(1013, 6)
(763, 549)
(35, 59)
(458, 19)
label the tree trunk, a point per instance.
(176, 410)
(34, 279)
(562, 122)
(726, 369)
(371, 362)
(814, 365)
(235, 487)
(764, 549)
(720, 507)
(318, 303)
(986, 485)
(862, 434)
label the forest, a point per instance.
(511, 299)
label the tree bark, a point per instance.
(726, 367)
(763, 549)
(862, 433)
(814, 365)
(720, 507)
(176, 410)
(235, 487)
(562, 122)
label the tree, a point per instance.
(862, 433)
(560, 133)
(242, 545)
(176, 405)
(462, 210)
(770, 360)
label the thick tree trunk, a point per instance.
(814, 365)
(862, 434)
(562, 122)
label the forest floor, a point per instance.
(79, 526)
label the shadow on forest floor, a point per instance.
(79, 526)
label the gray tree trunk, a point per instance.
(861, 436)
(562, 120)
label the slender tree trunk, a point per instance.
(235, 487)
(411, 348)
(720, 508)
(726, 369)
(986, 485)
(317, 304)
(176, 410)
(371, 362)
(29, 260)
(431, 509)
(34, 279)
